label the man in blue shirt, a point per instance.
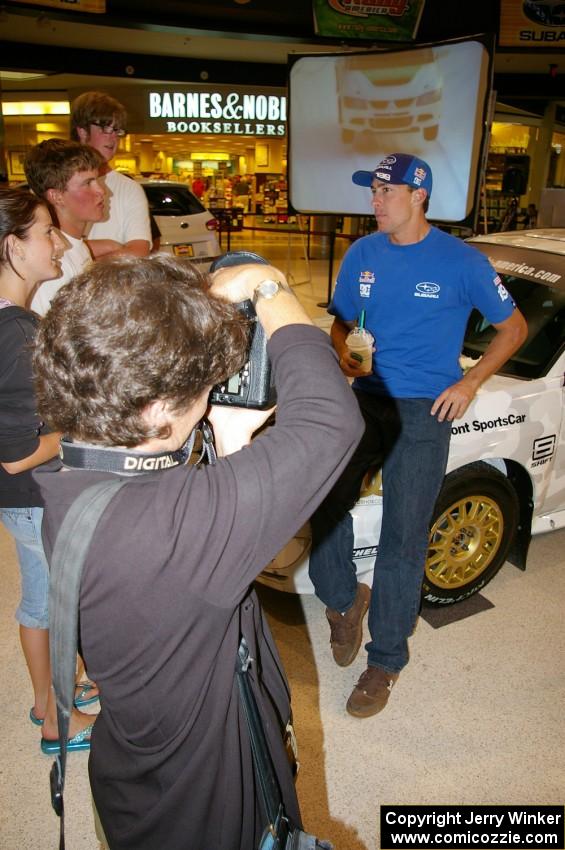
(417, 287)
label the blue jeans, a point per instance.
(411, 446)
(24, 524)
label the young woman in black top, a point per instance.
(30, 248)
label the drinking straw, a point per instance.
(362, 319)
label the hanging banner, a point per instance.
(529, 23)
(376, 20)
(94, 6)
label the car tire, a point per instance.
(474, 521)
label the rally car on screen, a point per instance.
(389, 96)
(506, 470)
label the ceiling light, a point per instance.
(40, 107)
(49, 128)
(21, 76)
(200, 155)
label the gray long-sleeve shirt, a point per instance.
(166, 595)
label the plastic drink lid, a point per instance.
(360, 333)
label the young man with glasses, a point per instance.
(99, 121)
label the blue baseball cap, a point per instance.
(398, 168)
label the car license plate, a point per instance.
(183, 250)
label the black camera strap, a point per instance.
(129, 462)
(66, 567)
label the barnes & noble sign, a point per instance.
(228, 113)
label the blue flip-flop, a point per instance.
(81, 741)
(83, 699)
(37, 721)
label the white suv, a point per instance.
(506, 470)
(187, 228)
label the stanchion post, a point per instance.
(224, 226)
(332, 235)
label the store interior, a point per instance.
(224, 171)
(508, 176)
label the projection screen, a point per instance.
(348, 111)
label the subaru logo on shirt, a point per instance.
(427, 289)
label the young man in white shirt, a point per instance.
(99, 121)
(66, 175)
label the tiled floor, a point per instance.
(476, 718)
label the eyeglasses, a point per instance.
(108, 129)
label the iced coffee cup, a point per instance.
(360, 344)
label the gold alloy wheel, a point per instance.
(464, 539)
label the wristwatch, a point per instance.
(268, 289)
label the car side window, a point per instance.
(544, 310)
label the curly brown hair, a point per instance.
(125, 333)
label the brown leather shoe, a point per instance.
(370, 694)
(346, 630)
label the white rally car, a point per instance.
(506, 470)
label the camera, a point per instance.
(252, 386)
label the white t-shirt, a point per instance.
(73, 261)
(128, 216)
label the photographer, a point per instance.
(126, 358)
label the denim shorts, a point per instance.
(24, 524)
